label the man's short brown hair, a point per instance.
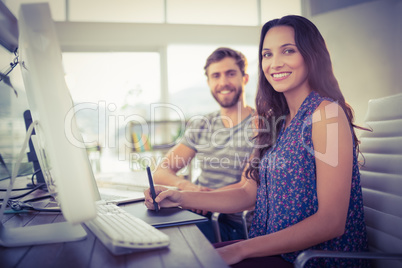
(224, 52)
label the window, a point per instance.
(222, 12)
(211, 12)
(188, 83)
(150, 11)
(57, 7)
(109, 90)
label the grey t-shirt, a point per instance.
(222, 153)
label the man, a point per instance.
(221, 140)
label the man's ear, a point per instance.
(245, 78)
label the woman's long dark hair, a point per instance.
(271, 105)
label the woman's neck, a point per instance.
(294, 101)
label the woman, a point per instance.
(303, 179)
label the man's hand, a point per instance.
(189, 186)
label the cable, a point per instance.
(25, 194)
(10, 211)
(17, 167)
(39, 198)
(42, 185)
(17, 189)
(20, 205)
(25, 206)
(34, 174)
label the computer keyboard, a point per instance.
(122, 232)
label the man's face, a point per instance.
(226, 82)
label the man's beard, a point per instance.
(228, 103)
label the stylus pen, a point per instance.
(152, 188)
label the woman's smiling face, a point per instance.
(282, 63)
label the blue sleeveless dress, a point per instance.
(287, 192)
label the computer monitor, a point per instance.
(8, 29)
(58, 141)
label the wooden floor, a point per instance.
(188, 248)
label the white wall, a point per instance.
(77, 36)
(365, 42)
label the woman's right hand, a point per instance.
(164, 197)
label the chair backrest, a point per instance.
(381, 176)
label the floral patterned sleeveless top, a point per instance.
(287, 192)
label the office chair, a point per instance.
(381, 180)
(245, 219)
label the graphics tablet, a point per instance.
(165, 217)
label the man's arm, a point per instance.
(177, 158)
(239, 184)
(235, 185)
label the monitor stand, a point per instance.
(41, 234)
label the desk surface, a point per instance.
(188, 248)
